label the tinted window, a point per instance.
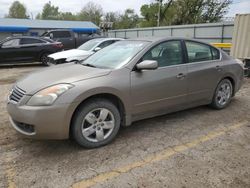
(11, 43)
(105, 44)
(89, 45)
(166, 53)
(30, 41)
(61, 34)
(198, 52)
(215, 53)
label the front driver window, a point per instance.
(11, 43)
(166, 54)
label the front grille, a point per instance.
(51, 60)
(58, 61)
(16, 94)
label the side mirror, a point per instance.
(147, 65)
(51, 36)
(97, 49)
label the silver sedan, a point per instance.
(127, 81)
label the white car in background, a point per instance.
(82, 52)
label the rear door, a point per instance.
(155, 91)
(10, 51)
(31, 48)
(204, 71)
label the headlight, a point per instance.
(48, 95)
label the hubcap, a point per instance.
(98, 124)
(223, 94)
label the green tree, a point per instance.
(91, 12)
(49, 12)
(128, 20)
(176, 12)
(214, 10)
(150, 13)
(17, 10)
(67, 16)
(112, 17)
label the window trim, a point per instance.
(210, 46)
(170, 40)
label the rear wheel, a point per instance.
(223, 94)
(96, 123)
(44, 59)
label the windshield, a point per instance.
(89, 45)
(116, 55)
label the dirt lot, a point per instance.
(200, 147)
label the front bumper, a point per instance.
(56, 61)
(42, 122)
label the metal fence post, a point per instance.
(222, 33)
(194, 32)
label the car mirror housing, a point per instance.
(97, 49)
(147, 65)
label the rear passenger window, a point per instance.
(215, 53)
(30, 41)
(198, 52)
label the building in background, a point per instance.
(13, 27)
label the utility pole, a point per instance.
(159, 12)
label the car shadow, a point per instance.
(126, 134)
(36, 64)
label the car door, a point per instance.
(31, 48)
(204, 71)
(154, 92)
(10, 51)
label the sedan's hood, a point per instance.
(66, 73)
(69, 53)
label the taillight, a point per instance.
(58, 45)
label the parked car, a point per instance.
(26, 49)
(68, 38)
(125, 82)
(82, 52)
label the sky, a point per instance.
(35, 6)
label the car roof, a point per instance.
(106, 39)
(159, 39)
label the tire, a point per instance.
(223, 94)
(90, 129)
(44, 59)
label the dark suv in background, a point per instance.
(70, 39)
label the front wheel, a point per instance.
(223, 94)
(96, 123)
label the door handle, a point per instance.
(218, 68)
(180, 76)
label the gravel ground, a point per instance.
(220, 158)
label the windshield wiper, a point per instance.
(88, 65)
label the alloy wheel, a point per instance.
(224, 93)
(98, 125)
